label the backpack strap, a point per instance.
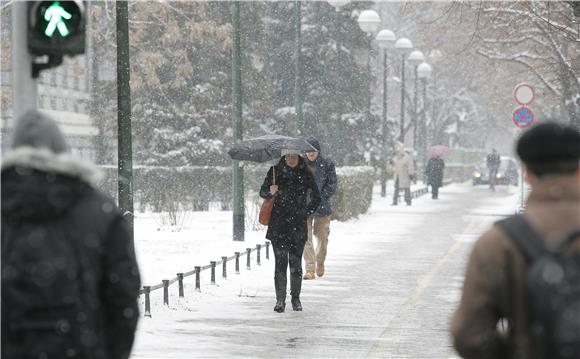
(568, 240)
(524, 236)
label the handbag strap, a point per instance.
(274, 175)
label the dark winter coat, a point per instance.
(88, 311)
(325, 176)
(297, 199)
(434, 170)
(495, 280)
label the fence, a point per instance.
(165, 283)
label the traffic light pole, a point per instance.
(125, 162)
(24, 85)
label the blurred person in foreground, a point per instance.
(70, 281)
(292, 183)
(319, 223)
(500, 282)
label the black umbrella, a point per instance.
(267, 148)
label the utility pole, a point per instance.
(298, 69)
(237, 169)
(125, 162)
(24, 86)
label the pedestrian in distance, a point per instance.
(434, 172)
(70, 281)
(404, 173)
(297, 198)
(493, 161)
(319, 223)
(524, 272)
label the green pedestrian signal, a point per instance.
(56, 28)
(56, 16)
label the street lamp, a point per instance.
(338, 4)
(369, 22)
(434, 58)
(424, 72)
(415, 58)
(403, 45)
(385, 39)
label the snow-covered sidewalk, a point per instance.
(191, 326)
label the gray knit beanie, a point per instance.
(37, 130)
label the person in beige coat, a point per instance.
(494, 315)
(404, 171)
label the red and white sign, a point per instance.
(524, 94)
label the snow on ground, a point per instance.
(162, 253)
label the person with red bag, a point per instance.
(296, 198)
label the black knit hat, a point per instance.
(550, 148)
(314, 142)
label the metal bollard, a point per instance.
(212, 272)
(180, 280)
(258, 248)
(268, 250)
(237, 262)
(147, 290)
(248, 264)
(225, 269)
(165, 291)
(197, 281)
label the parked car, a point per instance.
(506, 174)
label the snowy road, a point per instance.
(393, 280)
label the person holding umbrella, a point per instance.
(434, 172)
(296, 198)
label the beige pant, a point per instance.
(321, 231)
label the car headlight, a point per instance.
(498, 175)
(476, 174)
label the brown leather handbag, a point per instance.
(268, 204)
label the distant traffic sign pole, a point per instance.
(523, 116)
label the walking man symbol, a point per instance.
(54, 15)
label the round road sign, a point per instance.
(523, 117)
(524, 94)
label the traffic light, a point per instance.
(56, 28)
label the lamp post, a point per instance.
(385, 39)
(415, 58)
(338, 4)
(404, 45)
(423, 71)
(369, 22)
(434, 57)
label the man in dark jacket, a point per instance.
(325, 175)
(493, 162)
(70, 281)
(435, 167)
(495, 286)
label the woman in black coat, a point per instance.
(435, 168)
(297, 198)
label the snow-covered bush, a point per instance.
(354, 193)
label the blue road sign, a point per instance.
(523, 116)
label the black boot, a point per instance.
(296, 305)
(280, 285)
(280, 306)
(295, 288)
